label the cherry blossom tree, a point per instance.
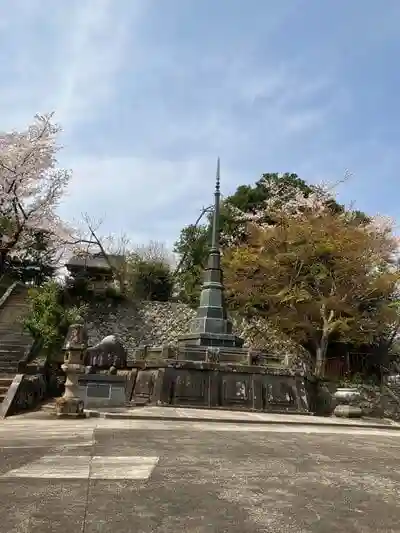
(31, 186)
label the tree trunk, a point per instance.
(320, 361)
(3, 257)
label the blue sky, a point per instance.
(150, 92)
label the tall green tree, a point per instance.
(192, 248)
(250, 203)
(319, 277)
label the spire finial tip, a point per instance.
(217, 184)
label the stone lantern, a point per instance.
(75, 348)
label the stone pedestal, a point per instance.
(347, 407)
(347, 411)
(105, 390)
(70, 405)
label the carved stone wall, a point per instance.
(221, 386)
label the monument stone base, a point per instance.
(220, 386)
(69, 408)
(348, 411)
(104, 390)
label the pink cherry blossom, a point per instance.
(31, 184)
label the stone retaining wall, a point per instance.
(160, 323)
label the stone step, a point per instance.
(13, 336)
(10, 362)
(8, 369)
(13, 346)
(13, 323)
(9, 306)
(9, 372)
(12, 352)
(16, 341)
(14, 332)
(16, 321)
(17, 302)
(5, 381)
(13, 358)
(14, 326)
(16, 348)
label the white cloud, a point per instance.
(62, 56)
(145, 117)
(94, 49)
(147, 199)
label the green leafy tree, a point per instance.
(50, 316)
(248, 204)
(319, 277)
(148, 279)
(192, 247)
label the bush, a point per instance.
(78, 288)
(151, 280)
(49, 318)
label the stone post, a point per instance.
(75, 347)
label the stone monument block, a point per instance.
(104, 390)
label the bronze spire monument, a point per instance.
(209, 367)
(212, 326)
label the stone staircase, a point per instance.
(14, 341)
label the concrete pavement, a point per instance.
(190, 414)
(99, 475)
(248, 417)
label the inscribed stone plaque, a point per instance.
(98, 390)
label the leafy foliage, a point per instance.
(193, 247)
(149, 279)
(37, 260)
(250, 203)
(318, 276)
(50, 317)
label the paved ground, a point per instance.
(244, 416)
(145, 476)
(195, 414)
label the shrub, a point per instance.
(49, 319)
(151, 280)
